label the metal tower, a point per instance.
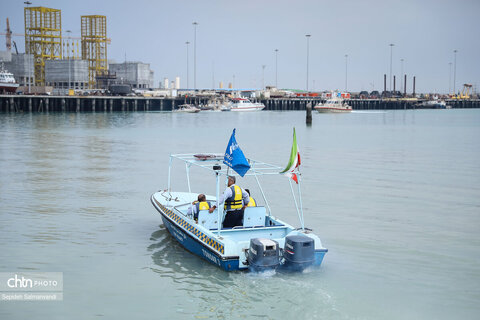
(94, 46)
(43, 37)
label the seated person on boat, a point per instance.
(252, 202)
(200, 204)
(235, 200)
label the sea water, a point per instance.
(394, 196)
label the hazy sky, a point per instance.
(238, 37)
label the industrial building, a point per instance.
(58, 73)
(21, 65)
(137, 74)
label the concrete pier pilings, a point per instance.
(37, 103)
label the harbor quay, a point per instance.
(46, 103)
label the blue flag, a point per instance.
(234, 157)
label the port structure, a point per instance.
(94, 46)
(43, 37)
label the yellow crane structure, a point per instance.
(94, 46)
(43, 37)
(466, 91)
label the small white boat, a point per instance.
(7, 82)
(225, 108)
(243, 104)
(336, 104)
(188, 108)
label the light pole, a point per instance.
(276, 68)
(391, 56)
(449, 77)
(213, 75)
(263, 77)
(28, 3)
(195, 55)
(188, 83)
(454, 69)
(401, 78)
(308, 48)
(346, 73)
(69, 80)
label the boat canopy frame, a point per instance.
(213, 162)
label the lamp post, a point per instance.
(28, 3)
(401, 78)
(195, 55)
(263, 76)
(188, 83)
(391, 56)
(276, 68)
(308, 48)
(346, 72)
(449, 77)
(213, 75)
(454, 69)
(69, 79)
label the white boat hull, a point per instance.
(332, 110)
(8, 87)
(248, 109)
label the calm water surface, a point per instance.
(394, 196)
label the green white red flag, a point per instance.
(294, 162)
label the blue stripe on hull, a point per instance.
(197, 248)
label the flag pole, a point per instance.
(300, 200)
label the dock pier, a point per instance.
(45, 103)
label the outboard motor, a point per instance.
(299, 252)
(263, 254)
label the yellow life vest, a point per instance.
(252, 203)
(235, 202)
(204, 205)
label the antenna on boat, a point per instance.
(217, 169)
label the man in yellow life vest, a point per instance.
(201, 204)
(252, 202)
(235, 200)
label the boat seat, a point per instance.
(208, 220)
(254, 217)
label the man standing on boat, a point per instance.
(235, 201)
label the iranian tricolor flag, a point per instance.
(294, 162)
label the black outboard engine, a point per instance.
(299, 252)
(263, 254)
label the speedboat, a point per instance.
(262, 242)
(7, 82)
(335, 104)
(188, 108)
(243, 104)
